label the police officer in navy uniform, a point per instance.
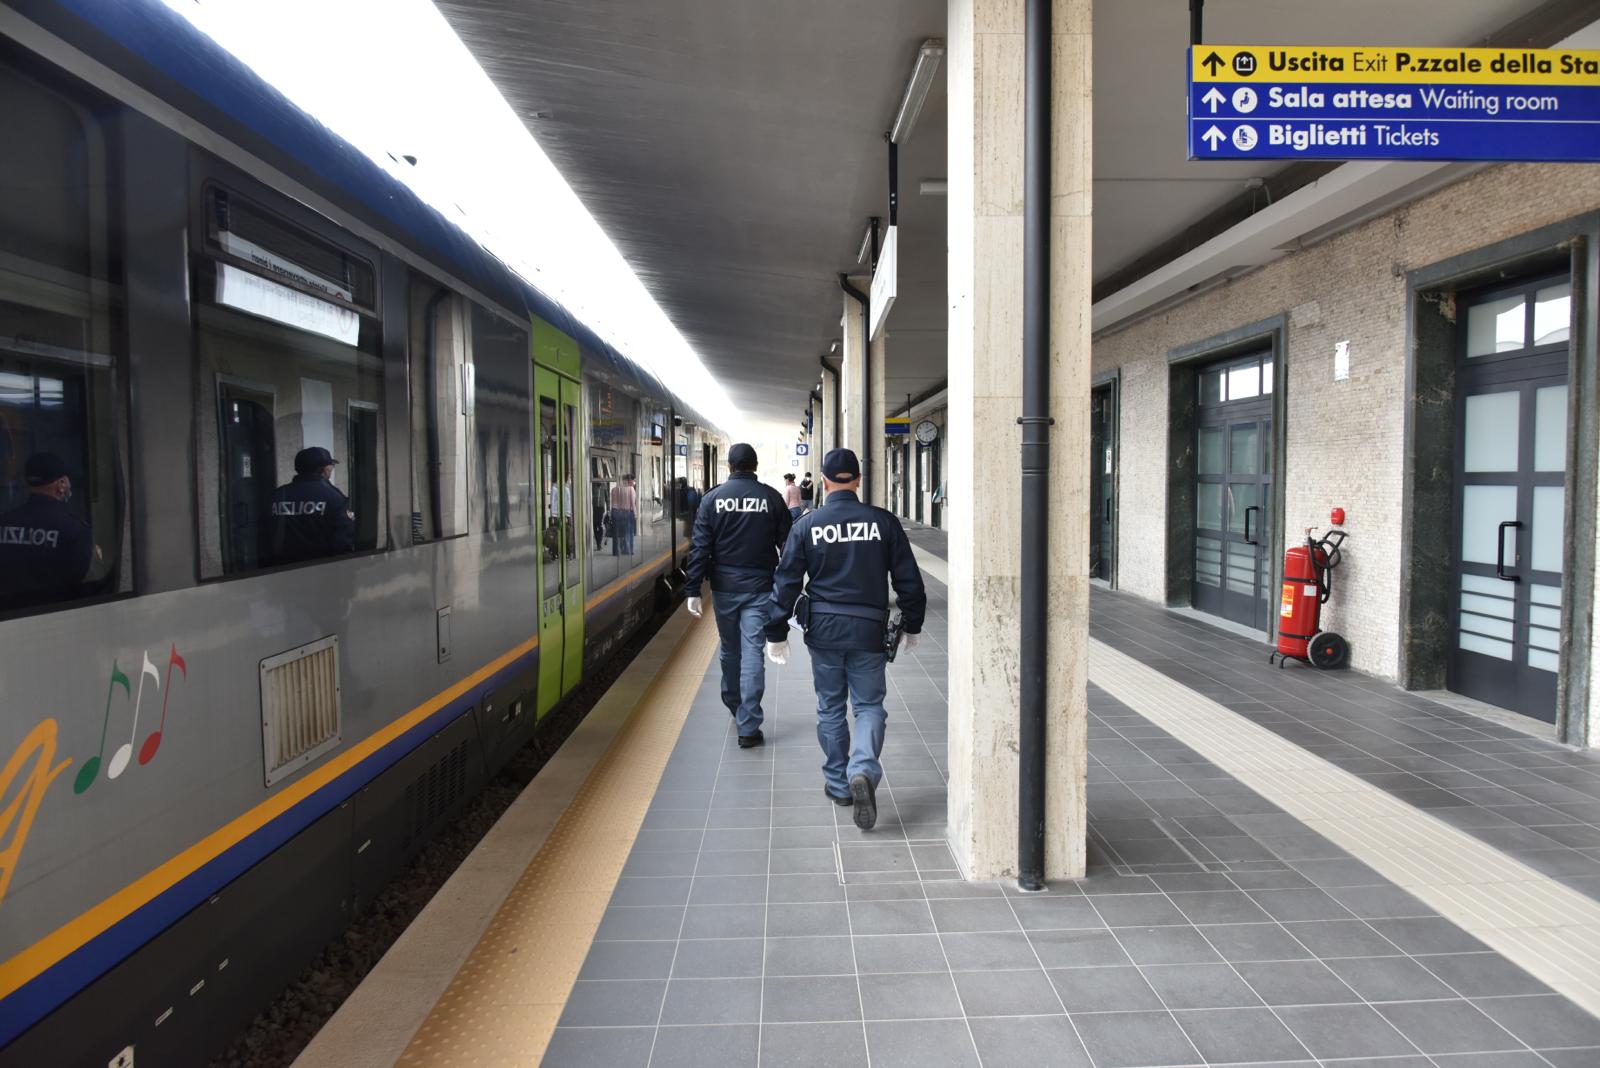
(739, 529)
(45, 550)
(310, 517)
(851, 552)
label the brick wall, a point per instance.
(1345, 439)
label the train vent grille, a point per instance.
(300, 717)
(431, 796)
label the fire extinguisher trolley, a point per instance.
(1307, 585)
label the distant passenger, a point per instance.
(791, 497)
(624, 516)
(45, 550)
(310, 517)
(738, 532)
(807, 492)
(851, 552)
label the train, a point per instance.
(211, 761)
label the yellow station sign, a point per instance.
(1390, 65)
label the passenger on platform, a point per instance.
(310, 517)
(851, 553)
(624, 513)
(807, 492)
(45, 550)
(738, 532)
(791, 497)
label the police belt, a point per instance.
(857, 611)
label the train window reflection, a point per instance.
(504, 454)
(62, 521)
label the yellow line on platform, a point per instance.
(502, 1006)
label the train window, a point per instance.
(656, 492)
(440, 371)
(291, 447)
(62, 532)
(502, 377)
(550, 551)
(614, 492)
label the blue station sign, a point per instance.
(1468, 104)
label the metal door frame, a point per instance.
(1524, 372)
(1111, 382)
(1227, 416)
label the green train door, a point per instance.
(561, 550)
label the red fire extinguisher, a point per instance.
(1307, 585)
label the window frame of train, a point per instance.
(57, 294)
(559, 510)
(248, 253)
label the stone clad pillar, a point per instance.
(852, 373)
(878, 470)
(985, 71)
(826, 432)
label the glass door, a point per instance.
(576, 548)
(1511, 459)
(1102, 537)
(1233, 483)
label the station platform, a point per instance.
(1285, 868)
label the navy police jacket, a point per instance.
(738, 532)
(45, 553)
(310, 519)
(851, 552)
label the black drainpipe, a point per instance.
(866, 377)
(1035, 422)
(1196, 18)
(833, 424)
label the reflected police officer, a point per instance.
(851, 552)
(310, 517)
(739, 528)
(45, 550)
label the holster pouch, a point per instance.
(893, 630)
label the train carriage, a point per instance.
(210, 759)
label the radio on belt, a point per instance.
(1307, 585)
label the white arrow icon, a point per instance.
(1213, 98)
(1212, 136)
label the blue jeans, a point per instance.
(741, 620)
(836, 674)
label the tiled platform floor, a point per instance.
(754, 924)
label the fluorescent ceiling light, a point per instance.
(934, 187)
(916, 94)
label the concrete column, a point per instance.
(982, 447)
(878, 469)
(827, 433)
(852, 375)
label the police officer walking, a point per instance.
(851, 553)
(45, 550)
(310, 517)
(738, 531)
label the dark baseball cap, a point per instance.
(310, 461)
(841, 465)
(43, 468)
(741, 455)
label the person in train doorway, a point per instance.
(624, 513)
(791, 497)
(45, 550)
(847, 554)
(739, 529)
(808, 491)
(310, 517)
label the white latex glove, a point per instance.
(909, 642)
(778, 652)
(694, 607)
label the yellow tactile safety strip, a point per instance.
(502, 1006)
(1549, 929)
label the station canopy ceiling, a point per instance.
(734, 150)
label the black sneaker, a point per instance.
(865, 797)
(843, 802)
(750, 741)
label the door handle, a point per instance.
(1500, 551)
(1248, 539)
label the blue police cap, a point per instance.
(841, 465)
(310, 461)
(43, 468)
(741, 456)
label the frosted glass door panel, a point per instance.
(1492, 425)
(1550, 429)
(1549, 505)
(1483, 509)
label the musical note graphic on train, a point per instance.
(124, 753)
(147, 751)
(91, 767)
(16, 818)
